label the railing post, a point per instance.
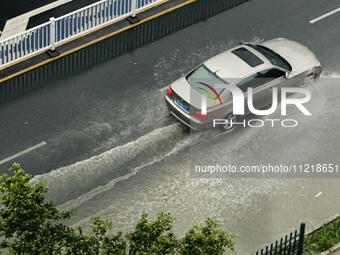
(52, 52)
(133, 8)
(301, 238)
(133, 18)
(52, 33)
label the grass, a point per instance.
(324, 238)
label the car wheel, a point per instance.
(228, 127)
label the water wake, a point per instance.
(71, 181)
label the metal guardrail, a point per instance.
(292, 245)
(48, 35)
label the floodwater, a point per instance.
(153, 172)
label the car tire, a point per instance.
(231, 119)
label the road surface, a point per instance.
(113, 150)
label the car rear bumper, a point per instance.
(183, 116)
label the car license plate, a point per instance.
(182, 104)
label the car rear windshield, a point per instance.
(250, 58)
(272, 56)
(202, 78)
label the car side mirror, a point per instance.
(286, 75)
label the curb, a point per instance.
(318, 226)
(331, 250)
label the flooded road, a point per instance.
(154, 173)
(114, 150)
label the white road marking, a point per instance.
(23, 152)
(317, 195)
(324, 16)
(164, 89)
(18, 24)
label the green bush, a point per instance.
(31, 225)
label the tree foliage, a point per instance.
(31, 225)
(208, 238)
(153, 238)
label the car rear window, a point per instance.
(202, 77)
(250, 58)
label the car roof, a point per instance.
(229, 65)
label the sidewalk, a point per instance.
(18, 24)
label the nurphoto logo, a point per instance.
(211, 92)
(239, 104)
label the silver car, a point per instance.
(275, 63)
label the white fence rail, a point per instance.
(57, 30)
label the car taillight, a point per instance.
(169, 92)
(200, 115)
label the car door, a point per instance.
(274, 77)
(262, 83)
(259, 94)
